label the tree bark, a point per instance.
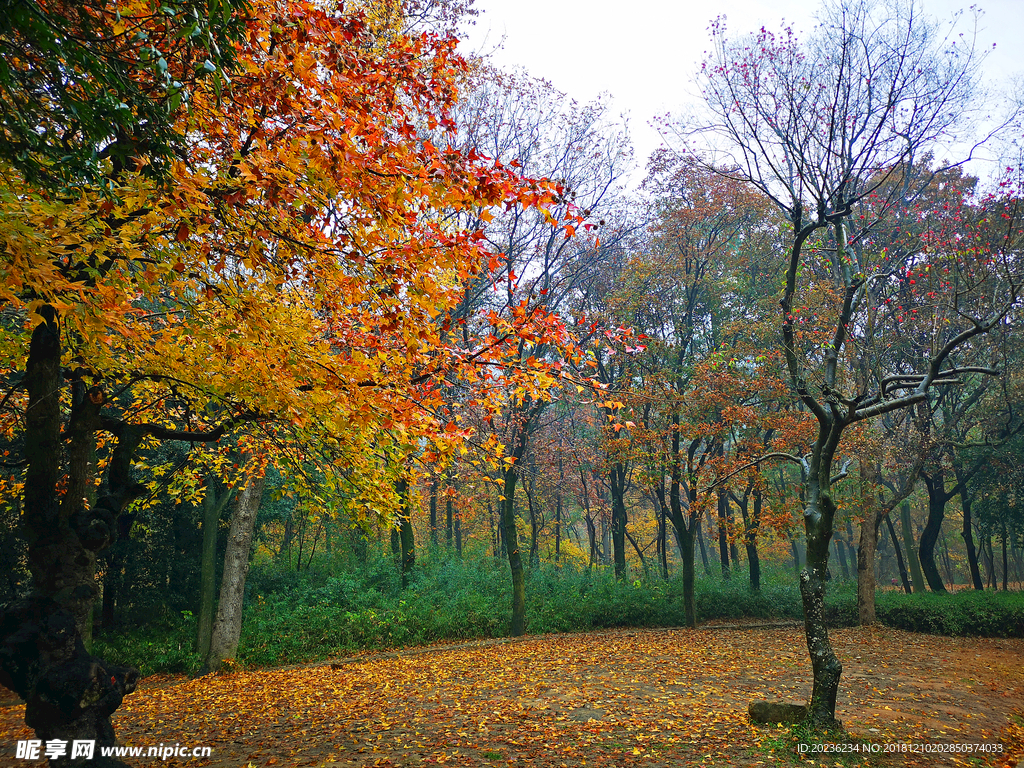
(818, 517)
(937, 498)
(967, 531)
(916, 577)
(212, 508)
(433, 511)
(448, 520)
(723, 535)
(406, 538)
(515, 557)
(617, 477)
(899, 555)
(868, 543)
(69, 694)
(227, 629)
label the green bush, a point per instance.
(294, 617)
(161, 648)
(968, 613)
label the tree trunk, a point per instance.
(659, 493)
(529, 489)
(904, 578)
(703, 549)
(449, 504)
(917, 578)
(458, 534)
(406, 539)
(684, 533)
(851, 551)
(227, 630)
(866, 570)
(618, 489)
(818, 518)
(558, 527)
(1006, 569)
(967, 531)
(723, 535)
(558, 504)
(515, 558)
(933, 526)
(868, 543)
(592, 537)
(750, 541)
(212, 508)
(841, 554)
(69, 694)
(433, 511)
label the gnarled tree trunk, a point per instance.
(69, 694)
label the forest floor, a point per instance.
(615, 699)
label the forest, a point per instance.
(334, 360)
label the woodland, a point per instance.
(320, 338)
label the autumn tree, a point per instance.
(815, 126)
(282, 285)
(542, 262)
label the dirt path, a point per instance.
(618, 699)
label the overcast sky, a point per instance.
(644, 53)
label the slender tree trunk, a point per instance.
(662, 526)
(967, 532)
(606, 538)
(515, 558)
(904, 577)
(841, 554)
(947, 563)
(405, 533)
(558, 504)
(1006, 569)
(617, 483)
(449, 521)
(866, 571)
(750, 540)
(529, 488)
(227, 629)
(212, 508)
(851, 551)
(723, 536)
(917, 577)
(990, 559)
(458, 534)
(703, 549)
(684, 532)
(937, 499)
(433, 511)
(868, 544)
(558, 527)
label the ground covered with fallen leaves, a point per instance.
(658, 698)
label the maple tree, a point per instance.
(541, 263)
(801, 122)
(282, 285)
(706, 385)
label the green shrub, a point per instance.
(968, 613)
(162, 648)
(293, 617)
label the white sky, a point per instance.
(645, 53)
